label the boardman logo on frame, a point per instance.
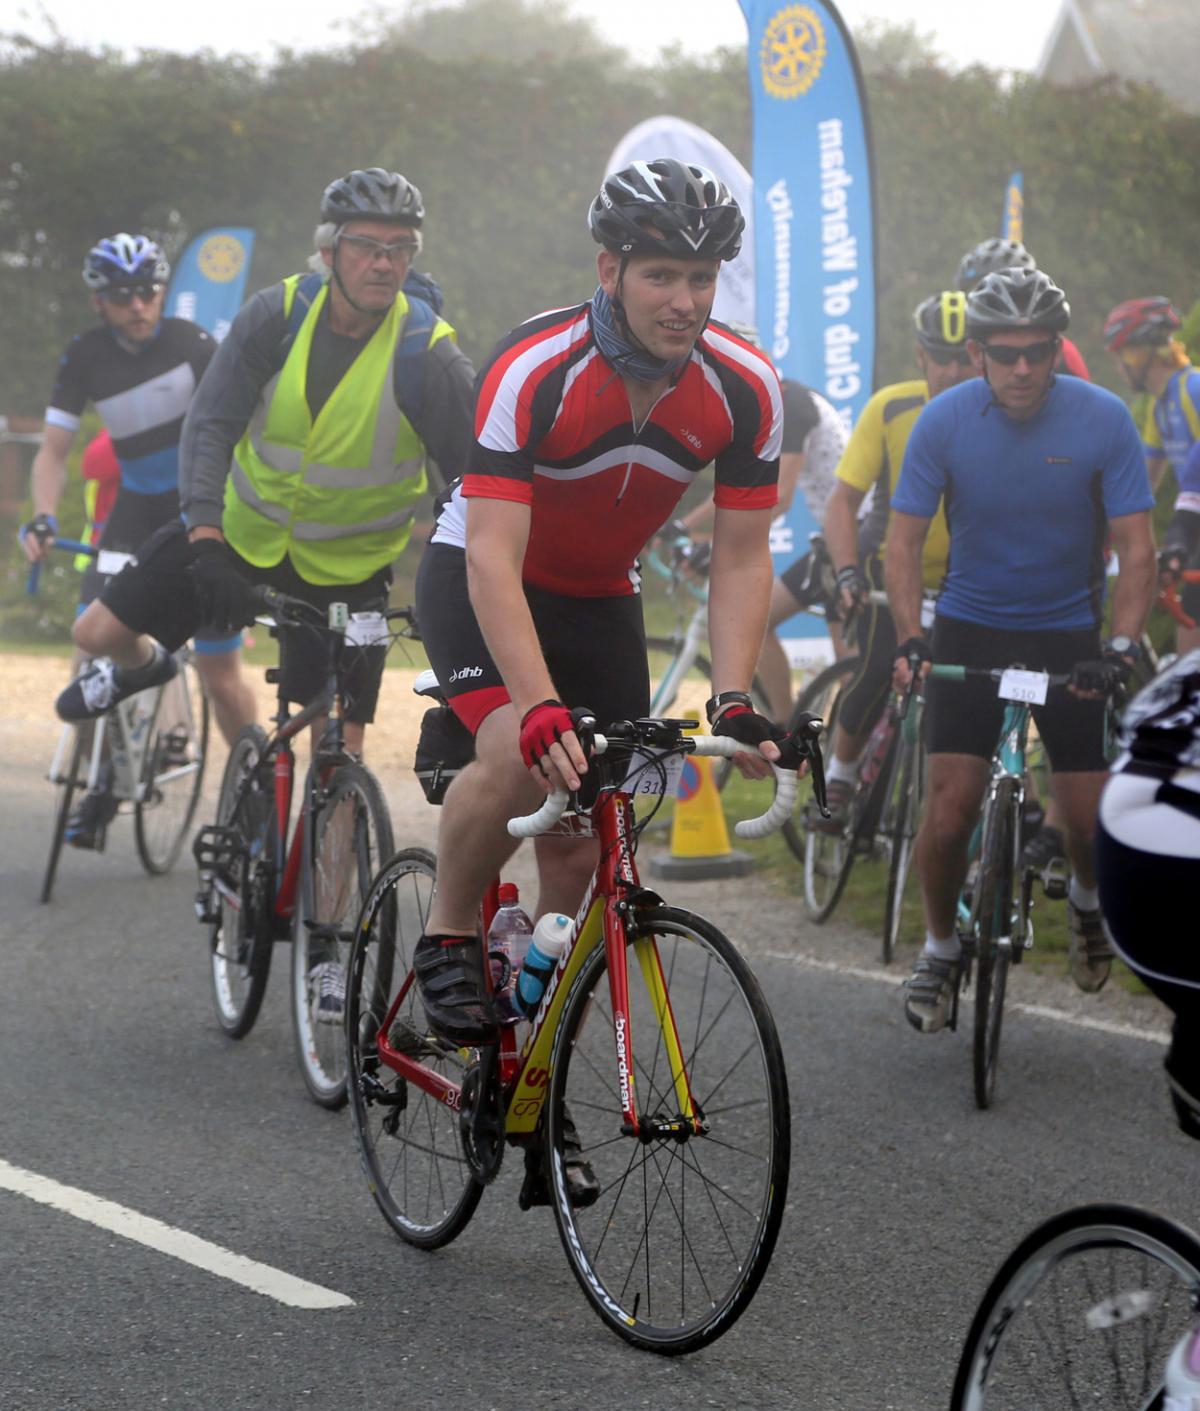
(792, 51)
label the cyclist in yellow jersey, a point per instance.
(872, 460)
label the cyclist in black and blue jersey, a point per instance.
(139, 370)
(1034, 471)
(1148, 857)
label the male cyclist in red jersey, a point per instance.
(590, 424)
(991, 255)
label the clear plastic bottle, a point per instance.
(550, 937)
(507, 941)
(1183, 1375)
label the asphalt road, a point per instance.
(115, 1080)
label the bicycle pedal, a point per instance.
(217, 848)
(208, 912)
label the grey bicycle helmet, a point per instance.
(1017, 299)
(667, 207)
(989, 256)
(941, 320)
(373, 194)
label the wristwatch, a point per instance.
(1124, 646)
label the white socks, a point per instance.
(942, 950)
(838, 771)
(1083, 898)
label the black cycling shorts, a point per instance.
(595, 648)
(156, 596)
(802, 584)
(132, 520)
(1148, 900)
(966, 718)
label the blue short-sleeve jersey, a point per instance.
(1027, 502)
(1174, 426)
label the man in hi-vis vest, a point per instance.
(303, 455)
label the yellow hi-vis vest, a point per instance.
(336, 495)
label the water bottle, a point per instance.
(507, 941)
(550, 939)
(1183, 1375)
(877, 749)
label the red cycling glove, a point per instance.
(545, 723)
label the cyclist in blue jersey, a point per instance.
(1034, 471)
(1140, 334)
(139, 370)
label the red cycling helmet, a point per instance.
(1141, 323)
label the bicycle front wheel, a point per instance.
(1084, 1312)
(820, 697)
(174, 774)
(993, 936)
(348, 835)
(241, 941)
(674, 1248)
(901, 817)
(68, 782)
(409, 1142)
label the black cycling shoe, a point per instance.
(449, 973)
(88, 823)
(583, 1189)
(102, 684)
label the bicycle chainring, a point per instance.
(480, 1119)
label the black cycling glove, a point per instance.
(224, 599)
(1100, 677)
(915, 647)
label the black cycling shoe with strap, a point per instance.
(583, 1189)
(449, 974)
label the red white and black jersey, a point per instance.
(554, 430)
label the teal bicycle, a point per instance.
(994, 910)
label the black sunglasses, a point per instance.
(128, 293)
(1033, 353)
(945, 356)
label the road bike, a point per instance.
(995, 907)
(1085, 1312)
(669, 1067)
(257, 887)
(149, 750)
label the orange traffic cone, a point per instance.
(699, 838)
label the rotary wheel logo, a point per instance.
(792, 52)
(221, 258)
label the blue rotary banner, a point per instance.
(1012, 222)
(814, 213)
(209, 281)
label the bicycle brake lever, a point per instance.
(807, 736)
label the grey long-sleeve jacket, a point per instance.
(251, 355)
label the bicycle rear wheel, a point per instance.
(993, 932)
(901, 818)
(1084, 1312)
(820, 697)
(409, 1143)
(672, 1252)
(241, 941)
(174, 772)
(347, 837)
(68, 783)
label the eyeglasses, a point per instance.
(945, 356)
(1033, 353)
(364, 248)
(126, 294)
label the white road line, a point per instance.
(1035, 1011)
(120, 1220)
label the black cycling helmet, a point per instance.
(941, 320)
(374, 194)
(989, 256)
(1017, 299)
(667, 207)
